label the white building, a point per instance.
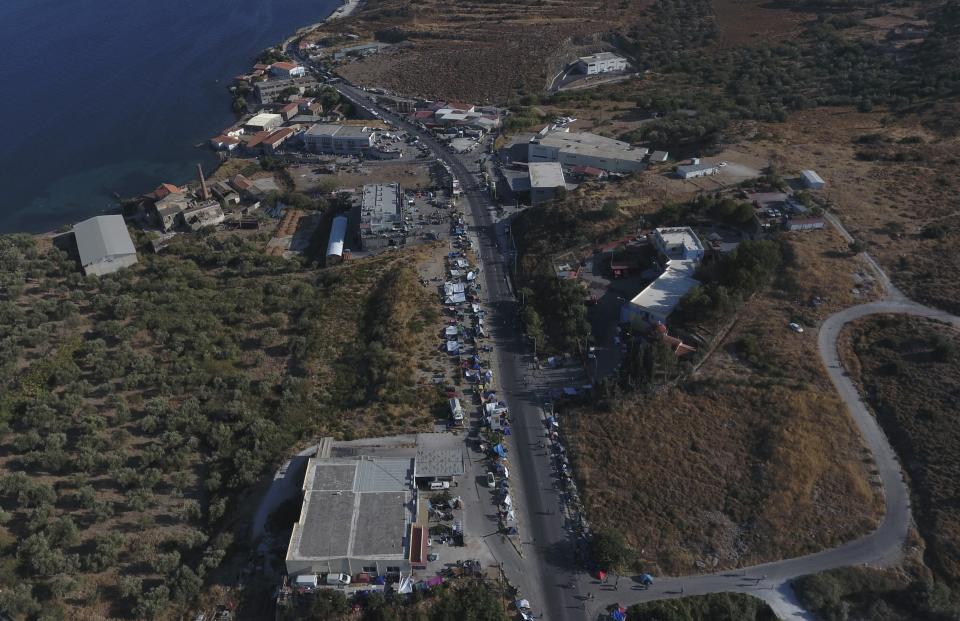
(338, 139)
(585, 149)
(545, 178)
(287, 70)
(601, 63)
(812, 180)
(697, 169)
(678, 243)
(338, 235)
(104, 245)
(263, 122)
(683, 252)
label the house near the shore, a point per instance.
(104, 245)
(287, 70)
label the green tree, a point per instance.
(609, 549)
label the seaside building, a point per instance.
(603, 62)
(263, 122)
(585, 149)
(104, 245)
(338, 139)
(270, 90)
(287, 70)
(207, 213)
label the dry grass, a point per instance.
(909, 369)
(724, 474)
(482, 51)
(755, 22)
(886, 204)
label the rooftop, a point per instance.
(662, 295)
(546, 175)
(439, 462)
(338, 131)
(689, 168)
(679, 237)
(602, 56)
(263, 118)
(584, 143)
(358, 508)
(102, 237)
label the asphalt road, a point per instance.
(547, 574)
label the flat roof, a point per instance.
(696, 168)
(439, 462)
(338, 131)
(585, 143)
(679, 236)
(601, 56)
(354, 507)
(662, 295)
(546, 175)
(811, 175)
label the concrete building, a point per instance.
(104, 245)
(207, 213)
(166, 211)
(585, 149)
(678, 243)
(357, 517)
(682, 252)
(338, 235)
(338, 139)
(263, 122)
(287, 70)
(601, 63)
(381, 214)
(696, 169)
(811, 179)
(545, 178)
(269, 91)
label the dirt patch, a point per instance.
(755, 22)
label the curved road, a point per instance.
(547, 573)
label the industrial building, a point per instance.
(360, 505)
(338, 139)
(207, 213)
(682, 252)
(338, 234)
(287, 70)
(812, 180)
(697, 169)
(381, 214)
(263, 122)
(545, 178)
(104, 245)
(603, 62)
(585, 149)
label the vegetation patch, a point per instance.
(715, 607)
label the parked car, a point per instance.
(796, 327)
(338, 579)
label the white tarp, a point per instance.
(471, 276)
(456, 298)
(451, 331)
(451, 288)
(306, 581)
(453, 347)
(462, 263)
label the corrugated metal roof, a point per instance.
(384, 474)
(102, 237)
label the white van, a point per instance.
(438, 485)
(338, 579)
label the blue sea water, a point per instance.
(104, 96)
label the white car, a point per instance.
(338, 579)
(796, 327)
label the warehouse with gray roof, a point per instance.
(104, 245)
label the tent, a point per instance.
(522, 603)
(500, 450)
(456, 298)
(646, 579)
(451, 331)
(405, 586)
(507, 501)
(435, 581)
(453, 347)
(619, 613)
(471, 276)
